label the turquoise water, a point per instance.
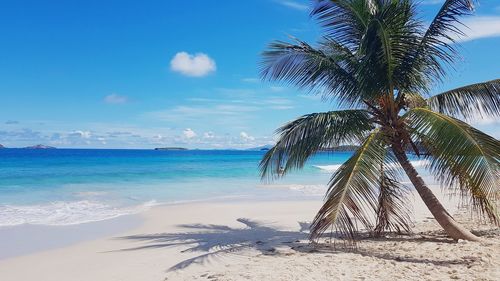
(70, 186)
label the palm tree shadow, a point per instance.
(215, 240)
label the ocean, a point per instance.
(73, 186)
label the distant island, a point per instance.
(1, 146)
(39, 146)
(331, 149)
(171, 148)
(261, 148)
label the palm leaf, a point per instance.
(390, 33)
(352, 193)
(460, 156)
(379, 33)
(436, 48)
(303, 137)
(344, 20)
(481, 99)
(322, 70)
(393, 209)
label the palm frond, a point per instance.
(390, 33)
(353, 191)
(393, 212)
(444, 24)
(317, 70)
(460, 156)
(436, 49)
(345, 21)
(469, 102)
(379, 33)
(303, 137)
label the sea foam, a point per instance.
(305, 189)
(328, 168)
(65, 213)
(333, 168)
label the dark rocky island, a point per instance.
(261, 148)
(171, 148)
(40, 146)
(1, 146)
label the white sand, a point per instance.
(255, 241)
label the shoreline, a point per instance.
(27, 239)
(17, 240)
(192, 241)
(115, 250)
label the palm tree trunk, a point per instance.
(452, 228)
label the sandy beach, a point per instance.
(264, 140)
(264, 240)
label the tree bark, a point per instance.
(450, 226)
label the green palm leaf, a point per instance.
(303, 137)
(436, 48)
(324, 70)
(379, 33)
(352, 193)
(481, 99)
(393, 209)
(344, 20)
(378, 55)
(390, 33)
(460, 156)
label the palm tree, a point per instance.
(378, 61)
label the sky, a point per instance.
(144, 74)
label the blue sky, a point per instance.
(128, 74)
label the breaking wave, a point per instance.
(65, 213)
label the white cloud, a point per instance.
(232, 115)
(480, 27)
(115, 99)
(133, 137)
(81, 134)
(208, 135)
(294, 5)
(22, 135)
(216, 112)
(189, 134)
(482, 118)
(487, 120)
(158, 137)
(197, 65)
(246, 136)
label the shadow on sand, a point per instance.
(215, 240)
